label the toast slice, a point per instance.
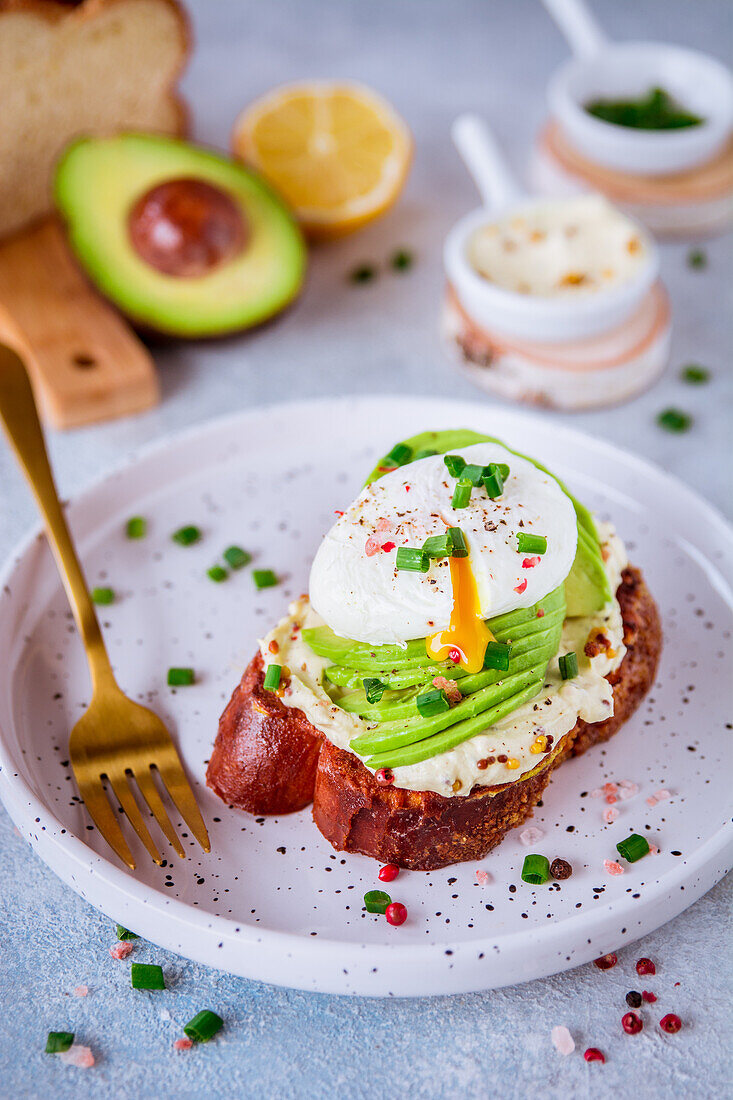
(100, 67)
(267, 757)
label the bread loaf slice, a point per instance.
(100, 67)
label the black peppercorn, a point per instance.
(560, 868)
(633, 999)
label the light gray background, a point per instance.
(432, 58)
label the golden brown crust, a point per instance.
(265, 754)
(421, 830)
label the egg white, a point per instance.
(366, 598)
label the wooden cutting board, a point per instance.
(86, 362)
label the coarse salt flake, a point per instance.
(663, 795)
(121, 950)
(77, 1055)
(482, 877)
(651, 800)
(182, 1044)
(597, 792)
(610, 814)
(612, 867)
(562, 1040)
(371, 547)
(528, 836)
(81, 991)
(628, 790)
(653, 850)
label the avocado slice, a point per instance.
(247, 258)
(587, 587)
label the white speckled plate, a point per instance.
(273, 901)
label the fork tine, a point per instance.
(175, 782)
(99, 809)
(149, 792)
(121, 789)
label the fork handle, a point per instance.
(19, 415)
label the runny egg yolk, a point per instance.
(467, 633)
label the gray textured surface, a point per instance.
(432, 58)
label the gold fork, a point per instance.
(116, 740)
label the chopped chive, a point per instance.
(399, 455)
(474, 473)
(412, 558)
(376, 901)
(147, 976)
(536, 870)
(439, 546)
(695, 374)
(460, 549)
(186, 536)
(272, 677)
(432, 702)
(236, 557)
(362, 273)
(497, 656)
(697, 259)
(59, 1041)
(374, 689)
(568, 665)
(674, 421)
(203, 1026)
(461, 493)
(401, 260)
(493, 481)
(181, 677)
(125, 933)
(136, 528)
(531, 544)
(103, 596)
(454, 464)
(425, 453)
(263, 578)
(217, 573)
(503, 469)
(633, 847)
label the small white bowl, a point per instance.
(530, 317)
(700, 83)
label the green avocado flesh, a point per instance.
(398, 735)
(99, 180)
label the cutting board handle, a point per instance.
(86, 362)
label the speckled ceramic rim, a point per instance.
(374, 969)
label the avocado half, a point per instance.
(99, 184)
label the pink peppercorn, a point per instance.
(606, 961)
(631, 1023)
(593, 1054)
(521, 587)
(182, 1044)
(670, 1023)
(384, 776)
(541, 613)
(650, 998)
(396, 913)
(387, 546)
(645, 966)
(388, 872)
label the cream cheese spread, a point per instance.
(559, 248)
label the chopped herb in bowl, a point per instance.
(655, 110)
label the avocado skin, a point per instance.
(96, 183)
(586, 588)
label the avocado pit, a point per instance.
(187, 227)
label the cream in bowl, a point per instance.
(560, 249)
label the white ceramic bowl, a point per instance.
(530, 317)
(700, 83)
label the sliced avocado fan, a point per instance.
(400, 734)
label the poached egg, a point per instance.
(360, 594)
